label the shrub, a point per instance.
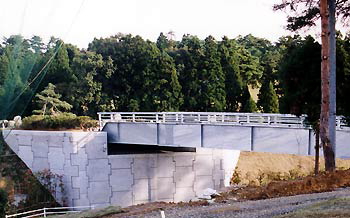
(59, 121)
(3, 202)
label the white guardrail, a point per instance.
(44, 212)
(287, 120)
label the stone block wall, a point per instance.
(92, 177)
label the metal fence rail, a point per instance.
(285, 120)
(44, 212)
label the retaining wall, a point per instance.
(91, 177)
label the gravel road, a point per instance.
(250, 209)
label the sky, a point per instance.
(80, 21)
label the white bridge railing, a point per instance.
(44, 212)
(285, 120)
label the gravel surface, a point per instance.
(260, 208)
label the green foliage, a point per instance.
(300, 72)
(248, 104)
(59, 121)
(3, 202)
(212, 79)
(230, 67)
(128, 73)
(49, 101)
(268, 99)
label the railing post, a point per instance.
(268, 119)
(177, 117)
(100, 121)
(44, 212)
(223, 118)
(163, 117)
(248, 119)
(157, 118)
(338, 124)
(133, 117)
(182, 118)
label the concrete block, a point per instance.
(56, 141)
(70, 170)
(24, 139)
(75, 193)
(11, 140)
(204, 151)
(104, 205)
(218, 164)
(229, 161)
(41, 139)
(141, 167)
(218, 175)
(40, 149)
(184, 194)
(95, 151)
(203, 182)
(122, 198)
(99, 192)
(80, 159)
(57, 171)
(184, 160)
(81, 182)
(98, 139)
(165, 166)
(121, 179)
(98, 170)
(204, 165)
(82, 201)
(56, 158)
(40, 164)
(26, 154)
(141, 189)
(69, 147)
(120, 161)
(165, 188)
(184, 177)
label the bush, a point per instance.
(59, 121)
(3, 202)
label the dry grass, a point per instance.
(339, 207)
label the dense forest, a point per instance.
(128, 73)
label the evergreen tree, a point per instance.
(268, 99)
(248, 104)
(230, 68)
(188, 64)
(49, 101)
(212, 79)
(162, 42)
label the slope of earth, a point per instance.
(252, 166)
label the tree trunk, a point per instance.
(317, 149)
(325, 128)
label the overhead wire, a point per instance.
(46, 65)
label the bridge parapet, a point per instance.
(202, 118)
(219, 118)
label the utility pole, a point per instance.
(328, 84)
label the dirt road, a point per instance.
(274, 207)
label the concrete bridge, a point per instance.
(145, 157)
(276, 133)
